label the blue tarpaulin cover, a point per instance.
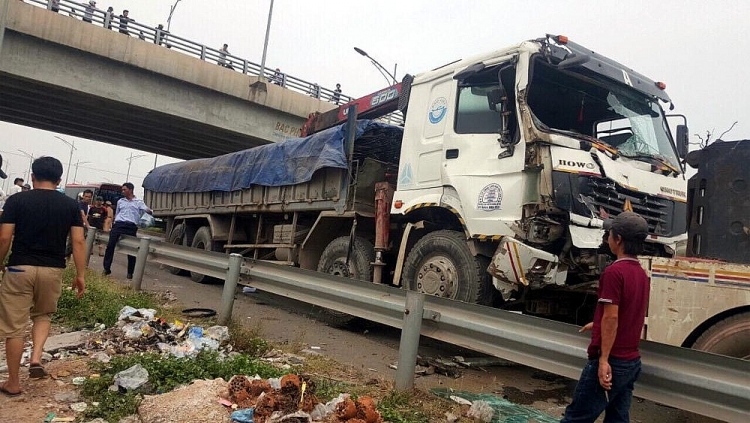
(289, 162)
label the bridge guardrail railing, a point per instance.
(703, 383)
(161, 36)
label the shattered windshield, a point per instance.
(583, 102)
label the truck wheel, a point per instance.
(177, 237)
(333, 262)
(441, 264)
(202, 241)
(730, 337)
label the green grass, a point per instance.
(399, 407)
(164, 374)
(101, 302)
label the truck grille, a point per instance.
(606, 195)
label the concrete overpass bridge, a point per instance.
(61, 74)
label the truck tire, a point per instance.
(202, 241)
(177, 237)
(730, 337)
(333, 262)
(442, 265)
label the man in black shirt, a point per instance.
(38, 223)
(96, 217)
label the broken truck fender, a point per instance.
(516, 264)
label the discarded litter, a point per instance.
(243, 416)
(131, 378)
(79, 407)
(249, 289)
(79, 380)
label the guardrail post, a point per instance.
(140, 262)
(90, 238)
(409, 345)
(203, 52)
(230, 286)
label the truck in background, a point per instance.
(494, 191)
(108, 191)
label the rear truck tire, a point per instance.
(202, 241)
(333, 262)
(442, 265)
(177, 237)
(730, 337)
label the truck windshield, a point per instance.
(582, 102)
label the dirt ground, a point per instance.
(368, 347)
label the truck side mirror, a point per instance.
(496, 98)
(682, 141)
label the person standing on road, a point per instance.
(38, 223)
(110, 216)
(85, 205)
(607, 380)
(96, 217)
(223, 57)
(108, 16)
(129, 212)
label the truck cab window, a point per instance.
(476, 111)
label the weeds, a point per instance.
(164, 374)
(101, 303)
(247, 340)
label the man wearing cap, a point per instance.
(89, 11)
(607, 380)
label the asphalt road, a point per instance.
(373, 347)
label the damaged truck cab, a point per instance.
(525, 151)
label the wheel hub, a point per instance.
(437, 276)
(339, 268)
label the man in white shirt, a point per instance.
(128, 212)
(17, 187)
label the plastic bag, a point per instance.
(132, 378)
(146, 221)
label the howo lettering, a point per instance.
(493, 192)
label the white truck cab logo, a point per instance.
(490, 198)
(571, 163)
(438, 109)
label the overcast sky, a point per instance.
(696, 47)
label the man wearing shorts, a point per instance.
(38, 223)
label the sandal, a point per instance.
(36, 371)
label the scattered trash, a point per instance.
(243, 416)
(69, 396)
(79, 380)
(248, 289)
(313, 347)
(481, 410)
(78, 407)
(46, 357)
(131, 378)
(219, 333)
(504, 410)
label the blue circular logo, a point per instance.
(438, 110)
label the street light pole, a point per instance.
(70, 159)
(27, 176)
(75, 175)
(383, 71)
(130, 162)
(265, 43)
(171, 11)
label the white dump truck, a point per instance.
(494, 192)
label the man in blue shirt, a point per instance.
(127, 214)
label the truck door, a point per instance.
(485, 173)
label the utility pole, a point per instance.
(70, 159)
(75, 175)
(130, 162)
(171, 11)
(265, 44)
(27, 175)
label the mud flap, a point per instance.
(515, 264)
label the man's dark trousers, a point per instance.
(119, 229)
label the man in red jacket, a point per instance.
(607, 380)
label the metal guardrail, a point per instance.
(703, 383)
(161, 36)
